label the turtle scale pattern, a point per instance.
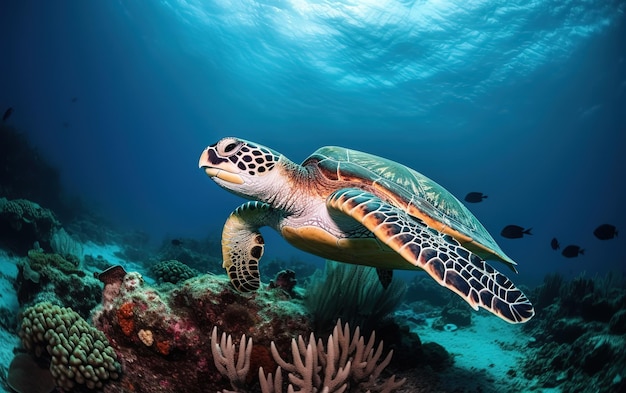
(354, 207)
(410, 190)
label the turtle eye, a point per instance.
(229, 146)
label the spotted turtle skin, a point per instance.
(358, 208)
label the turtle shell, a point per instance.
(409, 190)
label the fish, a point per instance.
(555, 244)
(177, 242)
(475, 197)
(572, 251)
(605, 232)
(515, 231)
(7, 113)
(74, 99)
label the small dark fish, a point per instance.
(177, 242)
(605, 232)
(515, 232)
(555, 244)
(475, 197)
(572, 251)
(74, 99)
(7, 114)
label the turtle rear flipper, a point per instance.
(243, 244)
(440, 255)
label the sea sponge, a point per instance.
(40, 260)
(173, 271)
(80, 354)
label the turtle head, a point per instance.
(239, 166)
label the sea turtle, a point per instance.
(354, 207)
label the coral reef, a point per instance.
(79, 354)
(347, 362)
(578, 337)
(162, 333)
(172, 271)
(352, 293)
(24, 223)
(50, 277)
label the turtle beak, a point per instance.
(218, 169)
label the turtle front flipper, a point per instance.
(440, 255)
(243, 245)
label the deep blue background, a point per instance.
(524, 101)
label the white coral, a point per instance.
(345, 361)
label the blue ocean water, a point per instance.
(522, 100)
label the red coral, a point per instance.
(163, 347)
(125, 318)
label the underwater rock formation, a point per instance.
(579, 334)
(163, 333)
(24, 223)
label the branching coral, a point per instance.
(224, 358)
(345, 362)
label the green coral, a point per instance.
(50, 277)
(80, 354)
(173, 271)
(24, 212)
(39, 261)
